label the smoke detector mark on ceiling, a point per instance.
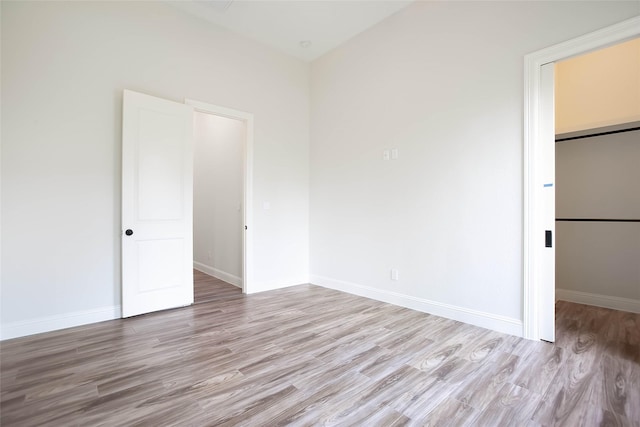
(218, 5)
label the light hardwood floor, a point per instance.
(311, 356)
(208, 288)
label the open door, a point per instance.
(547, 228)
(157, 199)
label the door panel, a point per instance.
(157, 197)
(547, 226)
(160, 263)
(160, 186)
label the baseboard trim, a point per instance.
(218, 274)
(495, 322)
(272, 285)
(57, 322)
(615, 303)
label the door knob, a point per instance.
(129, 232)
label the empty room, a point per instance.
(370, 232)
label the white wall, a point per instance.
(64, 66)
(598, 89)
(443, 83)
(599, 177)
(218, 196)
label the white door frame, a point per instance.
(247, 243)
(533, 267)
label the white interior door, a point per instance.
(157, 204)
(547, 226)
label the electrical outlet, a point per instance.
(394, 274)
(386, 155)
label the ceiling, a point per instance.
(289, 25)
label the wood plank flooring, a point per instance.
(309, 356)
(208, 288)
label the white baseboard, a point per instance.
(276, 284)
(218, 274)
(495, 322)
(616, 303)
(61, 321)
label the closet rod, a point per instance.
(597, 220)
(597, 134)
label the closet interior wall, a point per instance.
(598, 220)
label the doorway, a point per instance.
(539, 173)
(597, 156)
(223, 143)
(157, 201)
(217, 206)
